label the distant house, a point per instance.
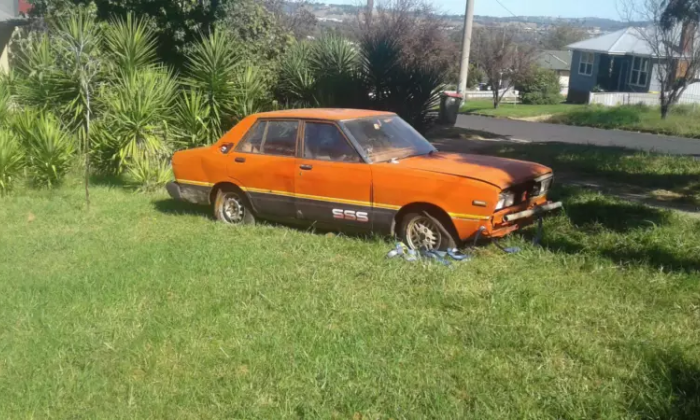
(10, 18)
(559, 62)
(621, 61)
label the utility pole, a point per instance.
(466, 46)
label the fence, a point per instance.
(487, 94)
(690, 97)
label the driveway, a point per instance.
(542, 132)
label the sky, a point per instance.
(554, 8)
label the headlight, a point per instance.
(505, 199)
(542, 187)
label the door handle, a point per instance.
(306, 167)
(240, 159)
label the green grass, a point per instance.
(485, 107)
(144, 307)
(683, 121)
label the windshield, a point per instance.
(387, 137)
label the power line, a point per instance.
(507, 9)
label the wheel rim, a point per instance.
(233, 209)
(422, 232)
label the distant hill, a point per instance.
(344, 12)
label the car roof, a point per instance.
(335, 114)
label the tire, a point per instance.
(232, 207)
(426, 231)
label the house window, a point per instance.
(640, 71)
(585, 66)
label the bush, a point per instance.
(148, 174)
(137, 110)
(539, 86)
(50, 149)
(331, 73)
(11, 160)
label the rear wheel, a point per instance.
(425, 231)
(232, 207)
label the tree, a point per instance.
(538, 86)
(78, 39)
(562, 35)
(501, 57)
(261, 26)
(672, 39)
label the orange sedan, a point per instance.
(359, 170)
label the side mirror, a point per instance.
(225, 148)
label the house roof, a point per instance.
(622, 42)
(10, 10)
(554, 60)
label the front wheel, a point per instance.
(423, 231)
(232, 207)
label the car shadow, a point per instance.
(170, 206)
(105, 180)
(619, 217)
(176, 207)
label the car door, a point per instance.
(264, 164)
(332, 183)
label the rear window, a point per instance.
(277, 138)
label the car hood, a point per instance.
(497, 171)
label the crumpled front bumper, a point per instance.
(510, 222)
(537, 211)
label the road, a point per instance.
(542, 132)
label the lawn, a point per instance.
(485, 107)
(683, 121)
(145, 307)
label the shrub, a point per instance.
(4, 105)
(190, 123)
(50, 149)
(331, 73)
(130, 44)
(11, 160)
(147, 173)
(137, 111)
(212, 68)
(539, 87)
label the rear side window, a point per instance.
(271, 138)
(253, 140)
(281, 138)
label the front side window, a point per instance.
(323, 141)
(277, 138)
(387, 137)
(585, 66)
(640, 71)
